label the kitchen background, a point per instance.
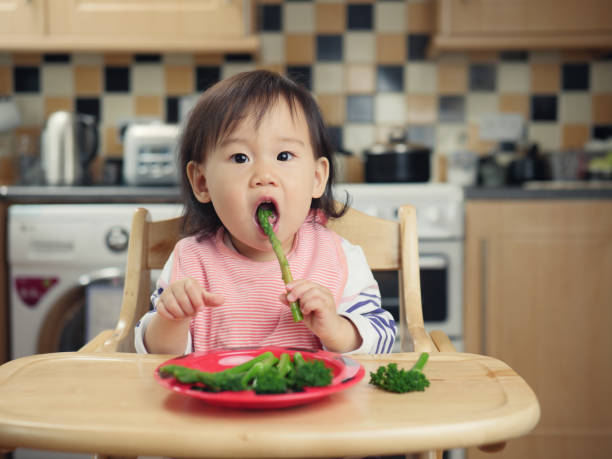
(489, 253)
(367, 63)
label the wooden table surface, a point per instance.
(111, 404)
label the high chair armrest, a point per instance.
(97, 344)
(442, 341)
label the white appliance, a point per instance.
(59, 256)
(149, 156)
(66, 264)
(440, 224)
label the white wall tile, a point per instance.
(359, 47)
(232, 68)
(57, 80)
(30, 108)
(575, 107)
(448, 136)
(298, 17)
(390, 17)
(390, 108)
(272, 49)
(546, 135)
(328, 78)
(358, 137)
(514, 77)
(421, 78)
(117, 108)
(601, 76)
(148, 79)
(479, 104)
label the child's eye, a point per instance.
(240, 158)
(285, 156)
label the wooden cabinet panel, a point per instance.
(525, 24)
(143, 20)
(218, 26)
(538, 296)
(19, 18)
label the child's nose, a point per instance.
(263, 178)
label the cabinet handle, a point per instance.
(483, 296)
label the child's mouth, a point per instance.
(270, 206)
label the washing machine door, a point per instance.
(82, 311)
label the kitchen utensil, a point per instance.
(149, 154)
(398, 161)
(531, 166)
(69, 142)
(463, 168)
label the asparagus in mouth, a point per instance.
(264, 213)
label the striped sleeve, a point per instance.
(162, 283)
(361, 304)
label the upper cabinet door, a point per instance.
(219, 26)
(19, 18)
(523, 24)
(151, 24)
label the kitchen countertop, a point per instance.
(164, 194)
(543, 190)
(89, 194)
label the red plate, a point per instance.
(346, 372)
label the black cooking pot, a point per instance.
(398, 163)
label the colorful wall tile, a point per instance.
(365, 61)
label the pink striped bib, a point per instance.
(253, 314)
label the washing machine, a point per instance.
(66, 266)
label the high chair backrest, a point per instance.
(387, 245)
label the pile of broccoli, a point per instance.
(391, 379)
(265, 374)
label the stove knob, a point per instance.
(432, 214)
(117, 239)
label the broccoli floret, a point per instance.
(391, 379)
(270, 382)
(265, 374)
(312, 373)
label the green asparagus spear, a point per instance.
(263, 216)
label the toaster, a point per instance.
(149, 154)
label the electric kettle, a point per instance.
(68, 143)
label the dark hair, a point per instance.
(218, 112)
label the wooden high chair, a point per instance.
(387, 245)
(107, 401)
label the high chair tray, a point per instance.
(112, 404)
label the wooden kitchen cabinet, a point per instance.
(21, 20)
(219, 26)
(523, 24)
(538, 295)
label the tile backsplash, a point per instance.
(366, 62)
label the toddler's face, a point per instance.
(272, 162)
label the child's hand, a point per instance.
(184, 298)
(318, 307)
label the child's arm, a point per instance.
(168, 330)
(361, 304)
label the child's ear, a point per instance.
(197, 180)
(321, 176)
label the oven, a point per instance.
(440, 225)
